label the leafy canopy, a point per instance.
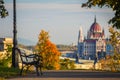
(3, 11)
(114, 4)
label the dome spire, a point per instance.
(95, 19)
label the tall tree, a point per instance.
(48, 51)
(3, 11)
(114, 4)
(115, 40)
(112, 61)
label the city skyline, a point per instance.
(62, 19)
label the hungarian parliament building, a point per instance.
(94, 45)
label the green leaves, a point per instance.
(3, 11)
(1, 2)
(114, 4)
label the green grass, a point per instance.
(6, 72)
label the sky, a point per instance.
(61, 18)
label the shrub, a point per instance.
(66, 64)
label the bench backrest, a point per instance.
(22, 55)
(28, 58)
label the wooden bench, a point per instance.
(30, 60)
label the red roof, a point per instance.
(95, 27)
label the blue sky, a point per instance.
(61, 18)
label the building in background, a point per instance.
(94, 45)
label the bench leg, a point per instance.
(37, 71)
(41, 70)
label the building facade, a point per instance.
(94, 45)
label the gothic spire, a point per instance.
(95, 19)
(80, 35)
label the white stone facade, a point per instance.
(94, 44)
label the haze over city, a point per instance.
(61, 18)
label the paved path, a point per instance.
(71, 75)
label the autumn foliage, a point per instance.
(112, 62)
(48, 51)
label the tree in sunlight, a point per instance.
(3, 11)
(6, 58)
(113, 61)
(48, 51)
(113, 4)
(115, 39)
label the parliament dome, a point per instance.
(95, 27)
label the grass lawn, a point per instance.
(6, 72)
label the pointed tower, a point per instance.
(95, 19)
(80, 41)
(80, 36)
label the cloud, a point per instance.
(57, 7)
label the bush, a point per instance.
(6, 62)
(67, 64)
(110, 64)
(6, 58)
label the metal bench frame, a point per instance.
(30, 60)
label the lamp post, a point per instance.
(14, 54)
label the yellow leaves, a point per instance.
(111, 30)
(112, 62)
(115, 40)
(43, 36)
